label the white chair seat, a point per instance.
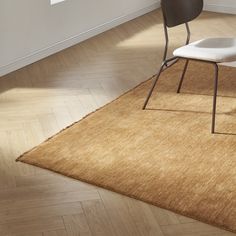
(211, 49)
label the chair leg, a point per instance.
(214, 98)
(182, 77)
(153, 86)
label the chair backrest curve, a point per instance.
(177, 12)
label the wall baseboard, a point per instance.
(220, 8)
(59, 46)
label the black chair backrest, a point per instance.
(177, 12)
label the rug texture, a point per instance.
(164, 155)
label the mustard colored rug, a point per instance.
(164, 155)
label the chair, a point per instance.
(210, 50)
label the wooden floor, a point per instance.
(41, 99)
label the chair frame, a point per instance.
(164, 66)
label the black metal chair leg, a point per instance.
(183, 75)
(153, 86)
(214, 98)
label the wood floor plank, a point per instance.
(26, 234)
(55, 233)
(121, 219)
(54, 199)
(97, 218)
(192, 229)
(40, 212)
(45, 191)
(164, 217)
(145, 222)
(183, 219)
(77, 225)
(30, 226)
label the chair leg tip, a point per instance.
(144, 106)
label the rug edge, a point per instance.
(86, 116)
(131, 196)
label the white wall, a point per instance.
(33, 29)
(227, 6)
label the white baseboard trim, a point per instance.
(220, 8)
(59, 46)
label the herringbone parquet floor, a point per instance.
(43, 98)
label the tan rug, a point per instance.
(165, 155)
